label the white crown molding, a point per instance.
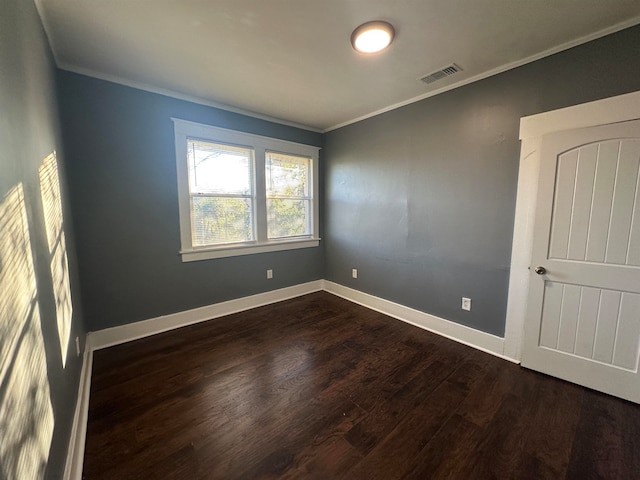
(203, 101)
(503, 68)
(47, 29)
(179, 96)
(150, 88)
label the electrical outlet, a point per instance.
(77, 346)
(466, 304)
(354, 272)
(269, 274)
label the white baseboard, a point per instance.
(126, 333)
(454, 331)
(469, 336)
(133, 331)
(75, 455)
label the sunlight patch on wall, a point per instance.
(52, 206)
(26, 414)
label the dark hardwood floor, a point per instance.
(318, 387)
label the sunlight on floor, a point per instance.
(52, 206)
(26, 415)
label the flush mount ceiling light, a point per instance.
(372, 37)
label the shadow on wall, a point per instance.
(26, 413)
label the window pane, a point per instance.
(288, 218)
(220, 220)
(218, 168)
(287, 175)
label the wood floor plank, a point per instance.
(387, 413)
(298, 441)
(609, 445)
(447, 453)
(553, 430)
(317, 387)
(330, 458)
(498, 454)
(393, 457)
(486, 398)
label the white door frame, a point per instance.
(532, 129)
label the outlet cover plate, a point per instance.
(466, 304)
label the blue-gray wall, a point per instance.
(122, 175)
(31, 360)
(421, 199)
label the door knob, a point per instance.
(540, 270)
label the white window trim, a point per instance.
(184, 129)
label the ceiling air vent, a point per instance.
(439, 74)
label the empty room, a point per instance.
(339, 239)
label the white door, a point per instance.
(583, 309)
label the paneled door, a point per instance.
(583, 310)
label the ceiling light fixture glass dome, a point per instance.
(372, 37)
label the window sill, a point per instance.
(206, 253)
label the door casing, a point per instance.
(601, 112)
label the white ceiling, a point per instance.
(291, 60)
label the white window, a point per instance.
(241, 194)
(289, 200)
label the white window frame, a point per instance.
(184, 130)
